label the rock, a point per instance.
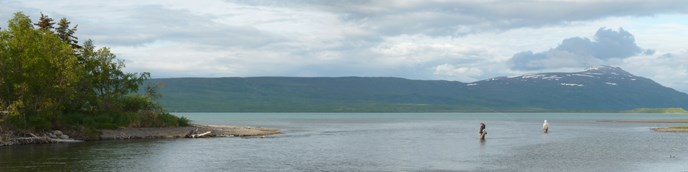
(51, 135)
(57, 133)
(64, 137)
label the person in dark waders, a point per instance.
(483, 132)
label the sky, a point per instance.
(462, 40)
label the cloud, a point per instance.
(461, 40)
(151, 23)
(581, 52)
(413, 50)
(442, 18)
(457, 72)
(670, 69)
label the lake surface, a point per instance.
(383, 142)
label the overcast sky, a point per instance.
(416, 39)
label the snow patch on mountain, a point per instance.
(585, 75)
(572, 84)
(607, 70)
(602, 74)
(538, 76)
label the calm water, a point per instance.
(382, 142)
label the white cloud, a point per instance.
(606, 45)
(441, 17)
(670, 70)
(418, 49)
(457, 72)
(436, 39)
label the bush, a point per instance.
(125, 119)
(149, 119)
(183, 121)
(33, 122)
(39, 123)
(137, 102)
(104, 122)
(167, 120)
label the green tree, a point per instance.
(47, 80)
(39, 72)
(45, 23)
(107, 78)
(66, 34)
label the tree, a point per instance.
(39, 71)
(45, 22)
(66, 34)
(108, 79)
(45, 76)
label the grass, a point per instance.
(672, 129)
(127, 119)
(659, 110)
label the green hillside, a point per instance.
(276, 94)
(383, 94)
(659, 110)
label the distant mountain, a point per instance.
(599, 89)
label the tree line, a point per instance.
(48, 81)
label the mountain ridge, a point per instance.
(599, 89)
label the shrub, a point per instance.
(183, 121)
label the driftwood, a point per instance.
(39, 140)
(34, 139)
(200, 135)
(194, 134)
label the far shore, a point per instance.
(652, 121)
(671, 129)
(666, 129)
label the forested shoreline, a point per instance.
(51, 81)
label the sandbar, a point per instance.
(181, 132)
(652, 121)
(671, 129)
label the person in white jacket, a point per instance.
(545, 126)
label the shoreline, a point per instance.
(671, 129)
(651, 121)
(663, 129)
(184, 132)
(8, 138)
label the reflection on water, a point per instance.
(382, 142)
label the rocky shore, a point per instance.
(196, 130)
(18, 138)
(182, 132)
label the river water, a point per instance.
(383, 142)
